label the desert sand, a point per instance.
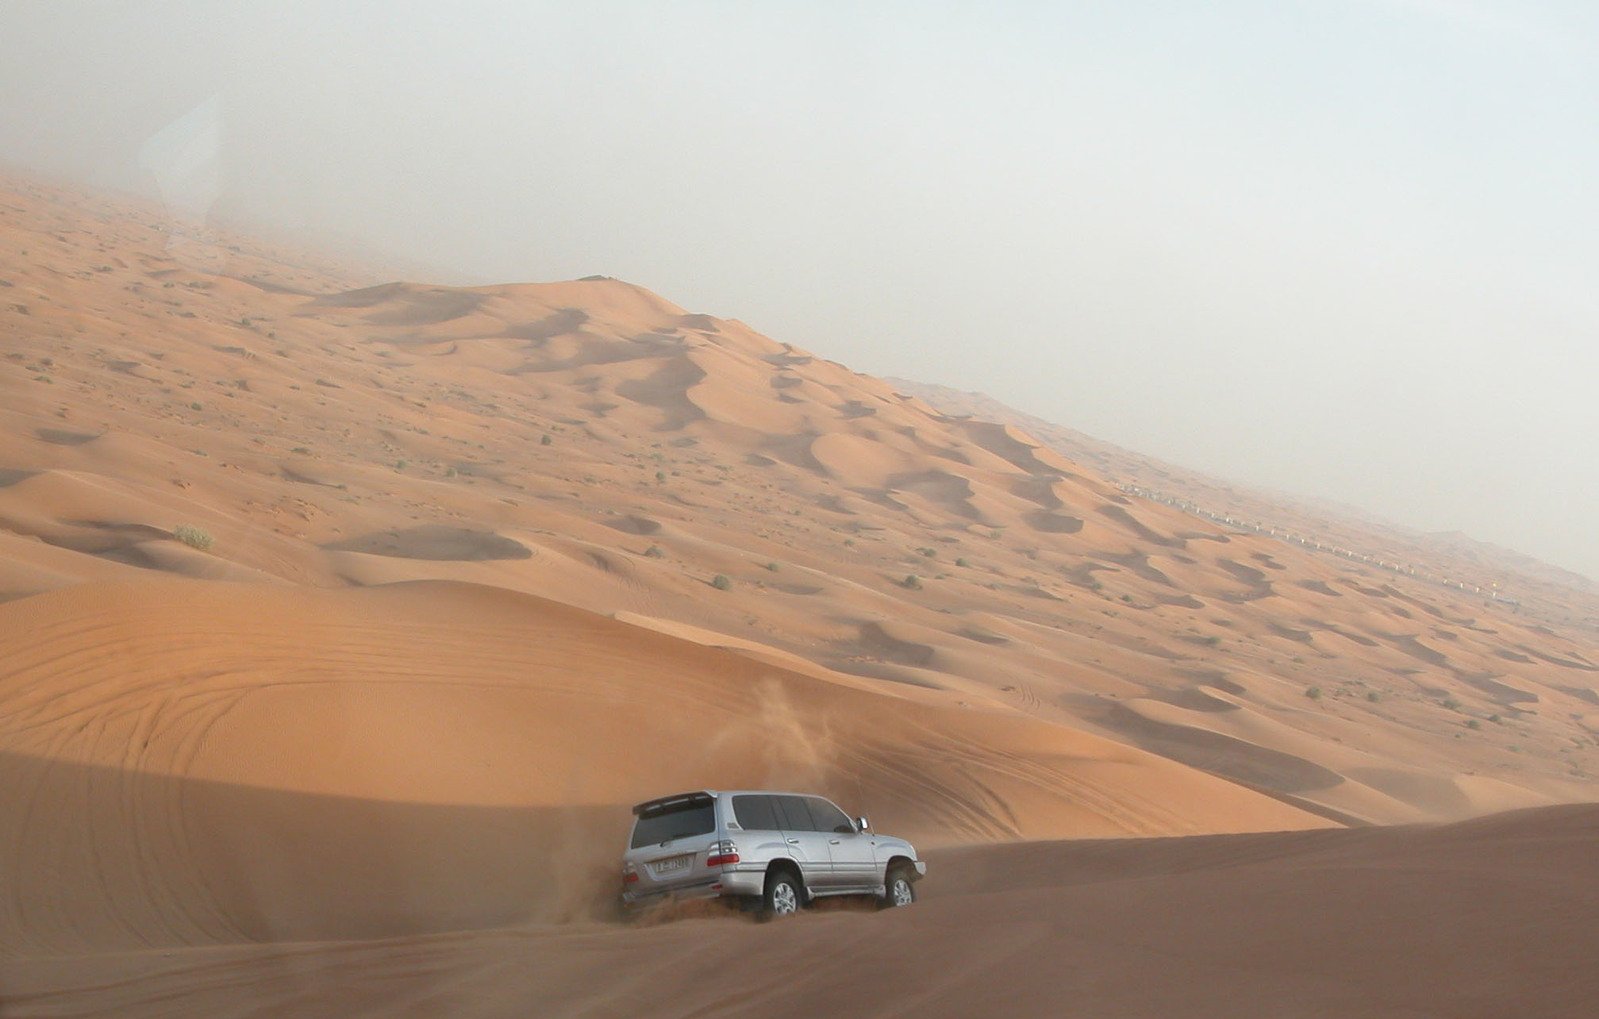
(341, 620)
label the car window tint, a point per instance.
(792, 813)
(755, 813)
(826, 816)
(676, 822)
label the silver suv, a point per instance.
(769, 850)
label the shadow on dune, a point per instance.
(107, 859)
(436, 542)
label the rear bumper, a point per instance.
(725, 883)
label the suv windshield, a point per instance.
(675, 822)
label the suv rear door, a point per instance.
(807, 845)
(670, 842)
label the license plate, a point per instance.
(672, 865)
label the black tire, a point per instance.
(783, 895)
(899, 887)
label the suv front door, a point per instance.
(851, 851)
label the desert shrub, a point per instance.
(1451, 704)
(1495, 719)
(1314, 693)
(1472, 723)
(655, 552)
(961, 562)
(1372, 696)
(545, 440)
(720, 582)
(193, 537)
(912, 581)
(773, 567)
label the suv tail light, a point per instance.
(722, 853)
(629, 875)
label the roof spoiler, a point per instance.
(652, 807)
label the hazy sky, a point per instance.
(1344, 248)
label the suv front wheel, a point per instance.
(898, 889)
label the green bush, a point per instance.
(912, 581)
(1314, 693)
(720, 582)
(193, 537)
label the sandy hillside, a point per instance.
(338, 611)
(1477, 920)
(1449, 560)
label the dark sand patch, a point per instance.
(1259, 586)
(567, 320)
(436, 543)
(982, 636)
(878, 643)
(1488, 683)
(62, 437)
(633, 524)
(1222, 755)
(1046, 522)
(1138, 563)
(1289, 632)
(1127, 520)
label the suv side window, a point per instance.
(755, 813)
(828, 817)
(792, 814)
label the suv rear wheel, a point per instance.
(782, 896)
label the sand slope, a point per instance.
(1483, 919)
(201, 763)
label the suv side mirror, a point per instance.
(861, 824)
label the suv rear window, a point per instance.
(755, 813)
(674, 822)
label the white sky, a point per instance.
(1344, 248)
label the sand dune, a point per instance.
(247, 748)
(335, 610)
(1482, 919)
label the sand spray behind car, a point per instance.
(796, 747)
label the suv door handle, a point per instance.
(793, 842)
(832, 842)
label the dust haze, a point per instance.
(1341, 250)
